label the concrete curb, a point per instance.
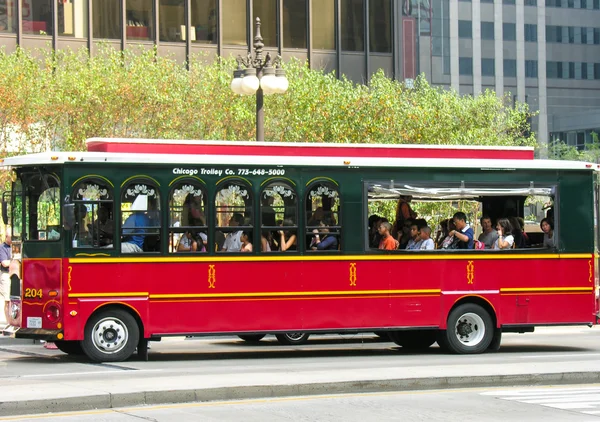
(109, 400)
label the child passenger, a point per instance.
(414, 244)
(246, 245)
(426, 240)
(387, 240)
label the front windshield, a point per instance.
(36, 206)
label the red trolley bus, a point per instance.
(135, 240)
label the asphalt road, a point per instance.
(548, 404)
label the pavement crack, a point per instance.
(135, 416)
(24, 353)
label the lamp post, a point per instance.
(260, 76)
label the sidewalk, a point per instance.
(148, 386)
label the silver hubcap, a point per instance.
(470, 329)
(110, 335)
(294, 336)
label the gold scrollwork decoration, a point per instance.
(353, 273)
(470, 272)
(212, 276)
(69, 277)
(591, 265)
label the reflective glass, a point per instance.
(8, 16)
(294, 23)
(323, 24)
(106, 19)
(204, 21)
(140, 20)
(171, 15)
(266, 10)
(353, 28)
(73, 18)
(37, 17)
(380, 26)
(234, 23)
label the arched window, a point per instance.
(233, 214)
(323, 225)
(278, 207)
(140, 217)
(94, 213)
(188, 231)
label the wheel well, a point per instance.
(125, 308)
(478, 301)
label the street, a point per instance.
(202, 372)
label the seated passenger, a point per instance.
(135, 226)
(426, 241)
(265, 245)
(187, 243)
(464, 233)
(246, 245)
(287, 237)
(547, 226)
(403, 236)
(387, 241)
(414, 244)
(488, 235)
(323, 240)
(520, 240)
(233, 242)
(505, 238)
(102, 229)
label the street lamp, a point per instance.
(260, 76)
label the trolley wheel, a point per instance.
(69, 347)
(470, 329)
(110, 336)
(416, 339)
(292, 339)
(252, 338)
(495, 344)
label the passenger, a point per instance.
(233, 242)
(374, 237)
(426, 240)
(521, 221)
(192, 211)
(246, 245)
(187, 243)
(267, 211)
(414, 244)
(323, 240)
(135, 226)
(488, 235)
(463, 232)
(517, 233)
(287, 238)
(404, 235)
(448, 240)
(265, 245)
(504, 240)
(103, 228)
(547, 226)
(387, 241)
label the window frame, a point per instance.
(338, 226)
(110, 194)
(149, 230)
(229, 229)
(181, 229)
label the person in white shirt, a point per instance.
(426, 240)
(505, 238)
(233, 243)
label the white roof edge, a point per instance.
(301, 144)
(183, 160)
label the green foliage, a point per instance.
(558, 150)
(58, 99)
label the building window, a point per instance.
(37, 17)
(596, 36)
(353, 28)
(530, 2)
(465, 29)
(140, 20)
(531, 69)
(204, 21)
(584, 34)
(266, 10)
(322, 207)
(488, 67)
(571, 34)
(553, 33)
(8, 16)
(579, 70)
(465, 66)
(107, 19)
(72, 18)
(487, 30)
(294, 23)
(530, 32)
(234, 23)
(551, 70)
(510, 68)
(571, 70)
(589, 70)
(509, 31)
(596, 71)
(323, 18)
(596, 4)
(172, 20)
(509, 2)
(380, 26)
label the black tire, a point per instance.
(415, 339)
(292, 339)
(252, 338)
(495, 344)
(470, 329)
(110, 336)
(69, 347)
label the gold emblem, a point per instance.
(212, 276)
(353, 273)
(470, 272)
(69, 277)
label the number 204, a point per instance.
(33, 293)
